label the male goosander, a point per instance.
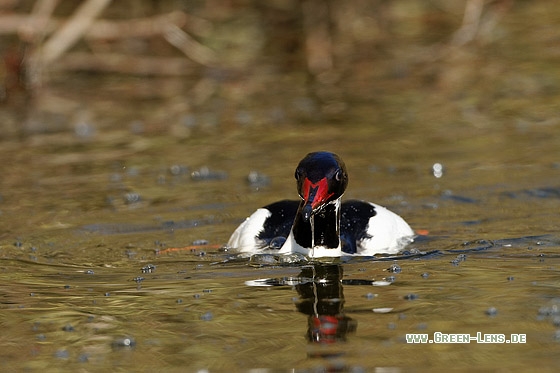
(320, 225)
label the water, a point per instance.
(114, 260)
(112, 225)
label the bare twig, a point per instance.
(136, 28)
(167, 25)
(63, 38)
(128, 64)
(479, 20)
(72, 30)
(109, 30)
(471, 23)
(190, 47)
(34, 30)
(496, 11)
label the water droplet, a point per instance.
(62, 354)
(68, 328)
(257, 180)
(177, 170)
(148, 268)
(390, 279)
(437, 170)
(204, 173)
(394, 268)
(84, 129)
(124, 342)
(492, 311)
(277, 242)
(549, 311)
(206, 316)
(130, 198)
(306, 212)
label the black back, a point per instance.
(281, 220)
(354, 220)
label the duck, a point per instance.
(319, 224)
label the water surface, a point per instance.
(112, 228)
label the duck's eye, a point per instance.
(339, 175)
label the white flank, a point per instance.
(244, 238)
(388, 232)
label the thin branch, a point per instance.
(471, 23)
(34, 29)
(72, 30)
(190, 47)
(109, 30)
(126, 64)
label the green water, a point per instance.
(110, 243)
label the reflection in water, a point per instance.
(322, 299)
(320, 289)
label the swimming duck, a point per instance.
(320, 225)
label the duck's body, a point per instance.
(320, 225)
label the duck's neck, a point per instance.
(321, 233)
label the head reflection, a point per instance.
(322, 299)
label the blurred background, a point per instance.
(81, 66)
(109, 91)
